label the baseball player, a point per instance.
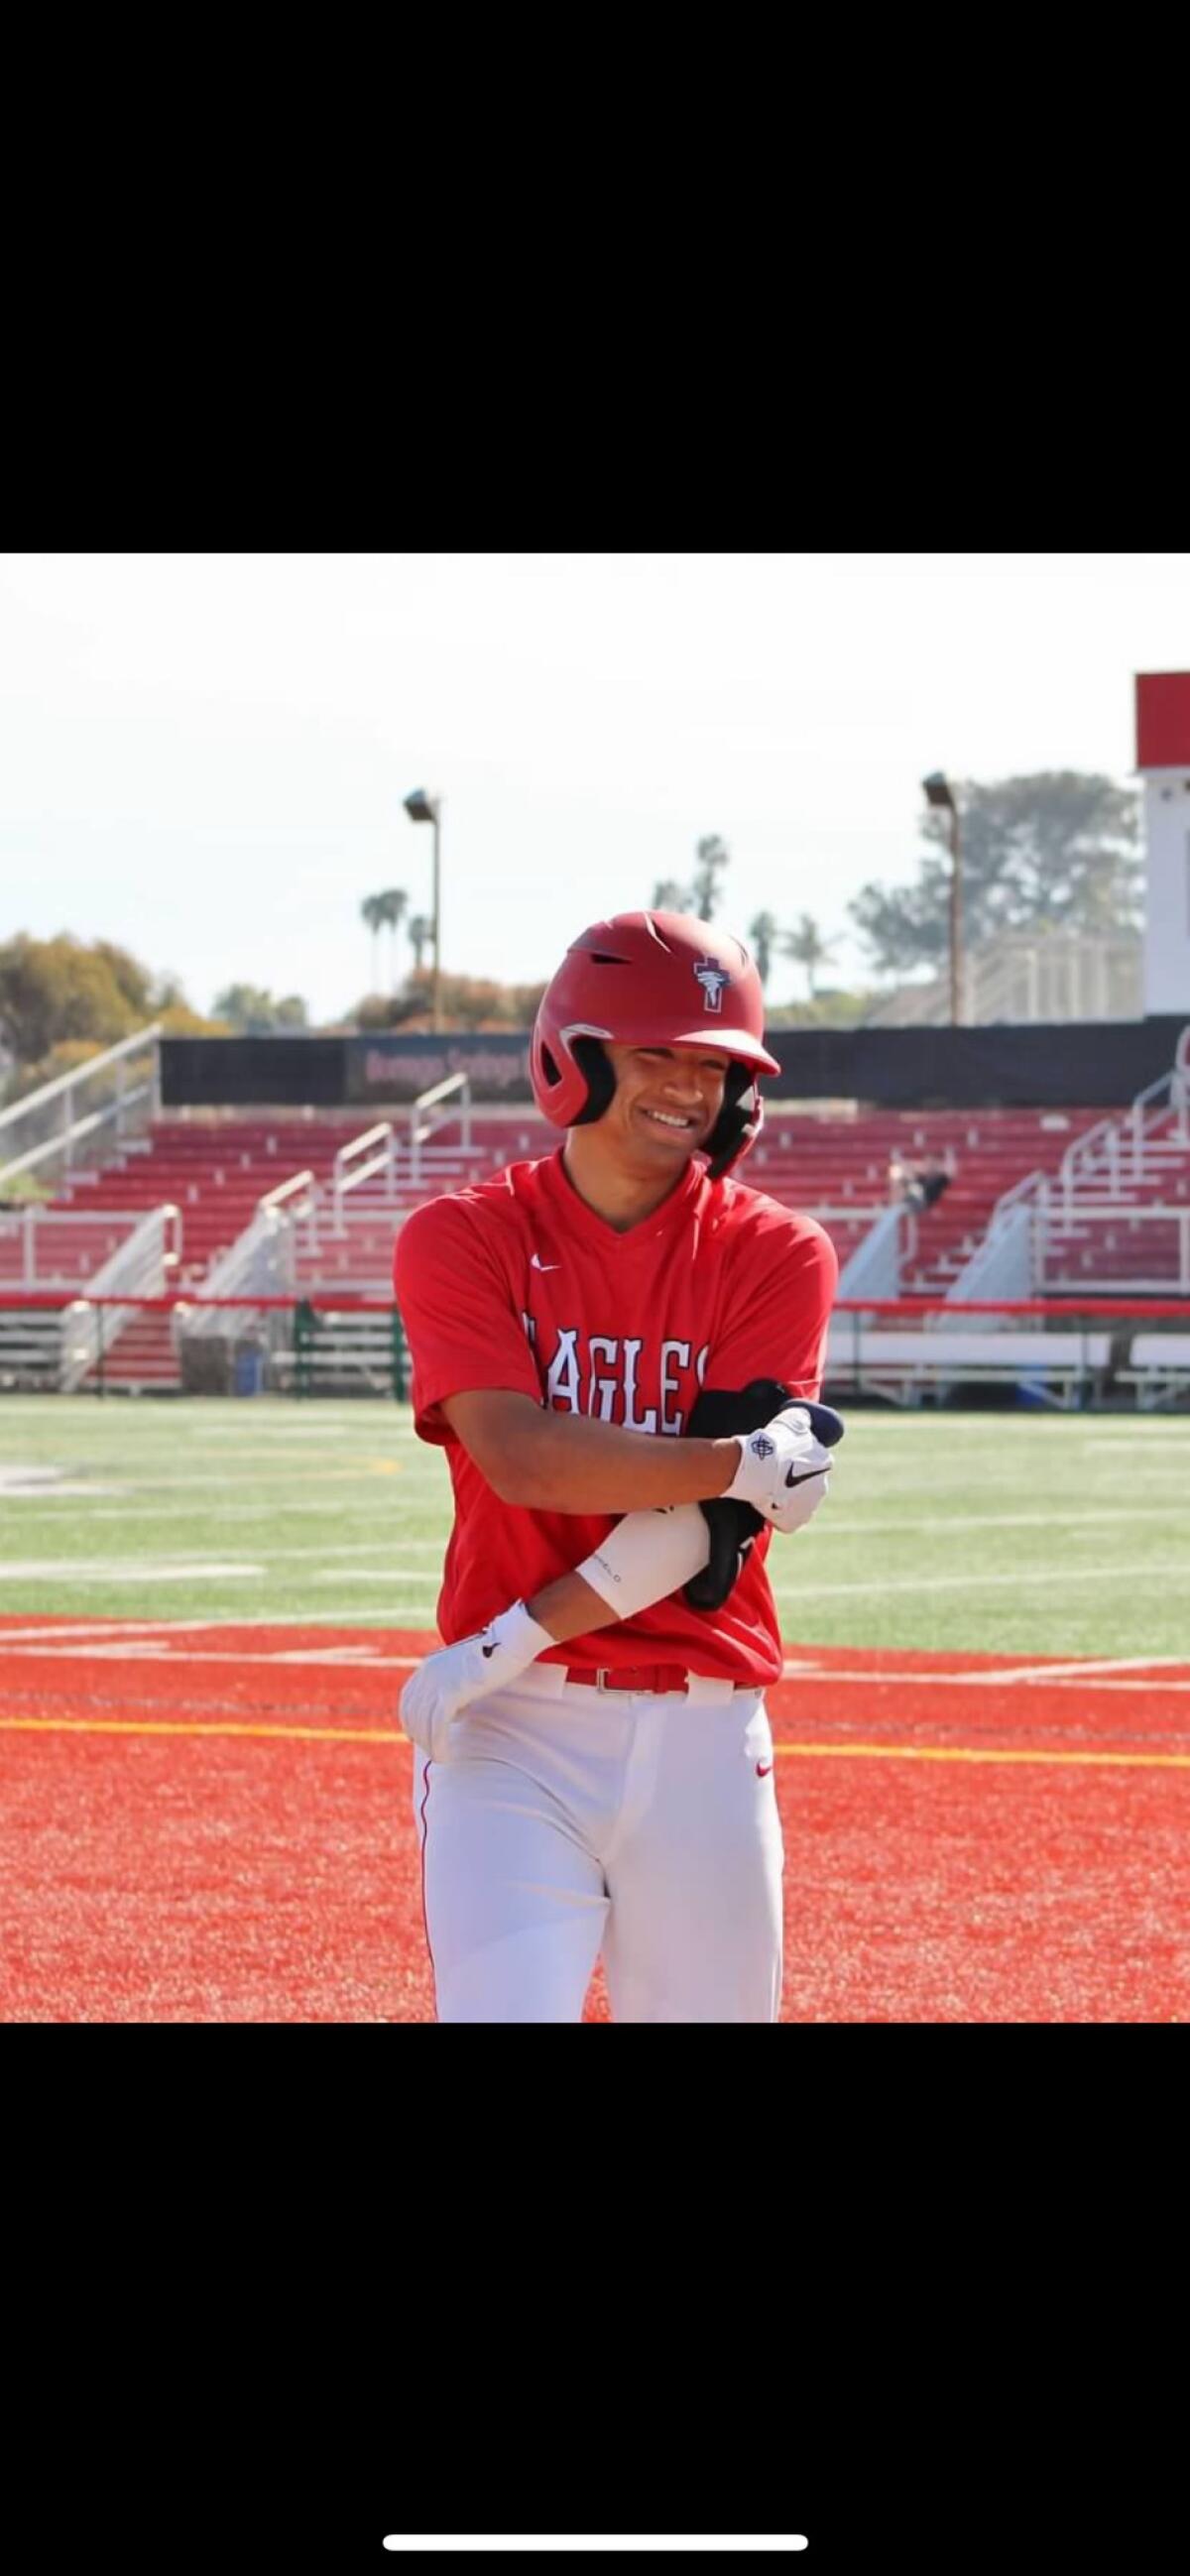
(620, 1348)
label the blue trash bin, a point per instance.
(249, 1372)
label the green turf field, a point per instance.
(980, 1532)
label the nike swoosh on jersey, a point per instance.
(536, 1263)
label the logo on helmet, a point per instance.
(714, 980)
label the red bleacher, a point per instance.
(215, 1175)
(806, 1161)
(812, 1162)
(216, 1172)
(67, 1255)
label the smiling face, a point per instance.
(666, 1101)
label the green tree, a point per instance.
(255, 1012)
(808, 948)
(143, 992)
(1056, 850)
(179, 1021)
(832, 1008)
(764, 933)
(57, 989)
(62, 1002)
(467, 1003)
(524, 1003)
(669, 896)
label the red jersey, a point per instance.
(516, 1282)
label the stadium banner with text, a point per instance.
(1067, 1064)
(381, 1068)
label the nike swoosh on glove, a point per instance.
(720, 1412)
(448, 1681)
(782, 1470)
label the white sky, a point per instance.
(203, 756)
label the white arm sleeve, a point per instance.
(648, 1556)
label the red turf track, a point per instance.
(183, 1876)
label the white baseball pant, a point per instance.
(571, 1822)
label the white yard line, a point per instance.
(1065, 1677)
(121, 1569)
(1057, 1576)
(161, 1641)
(836, 1523)
(91, 1628)
(141, 1650)
(891, 1527)
(295, 1431)
(278, 1510)
(122, 1573)
(1080, 1667)
(364, 1574)
(393, 1546)
(67, 1629)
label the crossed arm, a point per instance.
(565, 1462)
(535, 1459)
(650, 1554)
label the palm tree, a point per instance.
(421, 932)
(764, 933)
(372, 909)
(669, 896)
(711, 856)
(395, 904)
(807, 945)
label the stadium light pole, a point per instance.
(939, 792)
(428, 809)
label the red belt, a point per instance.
(633, 1677)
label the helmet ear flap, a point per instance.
(736, 1128)
(739, 1121)
(596, 1067)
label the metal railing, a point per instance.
(349, 1174)
(261, 1260)
(1058, 1231)
(45, 1234)
(875, 1267)
(383, 1149)
(880, 1344)
(1004, 1263)
(55, 1103)
(420, 1126)
(144, 1266)
(1122, 1148)
(1117, 1146)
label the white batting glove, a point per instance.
(783, 1470)
(448, 1681)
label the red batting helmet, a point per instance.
(652, 979)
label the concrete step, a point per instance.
(142, 1355)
